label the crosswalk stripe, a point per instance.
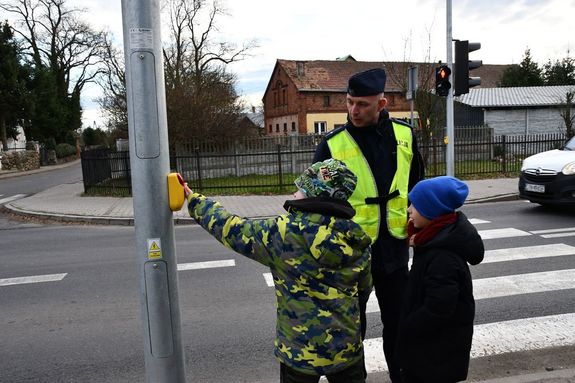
(528, 252)
(32, 279)
(524, 284)
(559, 235)
(206, 265)
(507, 232)
(547, 231)
(11, 198)
(477, 221)
(269, 279)
(498, 338)
(510, 285)
(523, 335)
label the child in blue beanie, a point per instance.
(436, 326)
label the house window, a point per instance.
(319, 127)
(325, 100)
(285, 126)
(271, 129)
(284, 97)
(275, 99)
(277, 128)
(293, 126)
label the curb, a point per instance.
(497, 198)
(540, 377)
(129, 221)
(67, 218)
(92, 220)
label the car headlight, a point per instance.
(569, 169)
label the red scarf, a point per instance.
(422, 236)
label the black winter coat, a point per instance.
(436, 326)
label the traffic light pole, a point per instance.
(450, 135)
(153, 221)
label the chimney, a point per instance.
(300, 68)
(253, 109)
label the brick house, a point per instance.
(305, 97)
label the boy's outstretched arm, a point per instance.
(242, 235)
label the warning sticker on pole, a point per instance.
(141, 38)
(154, 248)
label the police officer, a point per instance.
(383, 153)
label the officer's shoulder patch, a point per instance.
(334, 132)
(401, 122)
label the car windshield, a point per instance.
(570, 145)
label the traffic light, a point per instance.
(442, 84)
(463, 65)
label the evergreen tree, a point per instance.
(11, 85)
(560, 72)
(527, 73)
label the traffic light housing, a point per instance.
(463, 65)
(442, 84)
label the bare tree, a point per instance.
(113, 101)
(59, 44)
(430, 111)
(200, 93)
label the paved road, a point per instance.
(13, 188)
(70, 302)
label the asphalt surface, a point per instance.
(66, 203)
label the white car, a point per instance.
(549, 177)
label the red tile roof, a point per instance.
(333, 75)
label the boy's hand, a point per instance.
(187, 190)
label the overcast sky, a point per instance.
(371, 30)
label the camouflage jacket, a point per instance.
(320, 266)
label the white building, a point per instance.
(521, 110)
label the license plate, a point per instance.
(535, 188)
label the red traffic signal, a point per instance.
(442, 84)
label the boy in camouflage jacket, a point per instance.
(320, 262)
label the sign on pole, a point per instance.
(411, 82)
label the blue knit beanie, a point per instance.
(438, 196)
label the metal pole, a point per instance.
(449, 101)
(150, 165)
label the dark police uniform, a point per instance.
(389, 255)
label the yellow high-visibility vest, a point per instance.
(365, 199)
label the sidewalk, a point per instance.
(66, 203)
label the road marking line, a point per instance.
(523, 335)
(477, 221)
(523, 284)
(502, 233)
(528, 252)
(498, 338)
(11, 198)
(552, 230)
(559, 235)
(206, 265)
(32, 279)
(510, 285)
(269, 279)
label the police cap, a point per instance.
(367, 83)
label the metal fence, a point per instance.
(269, 165)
